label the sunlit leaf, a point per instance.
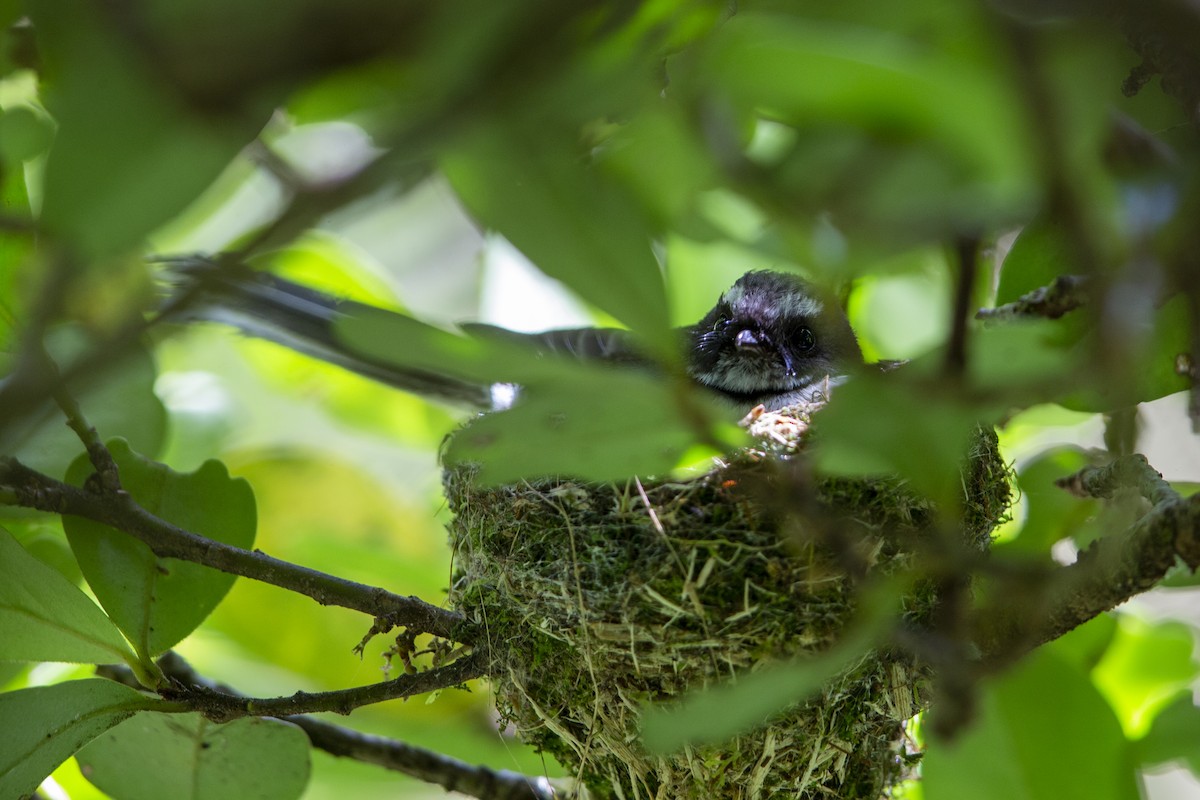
(156, 602)
(187, 757)
(40, 728)
(1145, 666)
(1043, 733)
(45, 618)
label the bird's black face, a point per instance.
(771, 339)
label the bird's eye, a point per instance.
(805, 340)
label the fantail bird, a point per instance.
(771, 339)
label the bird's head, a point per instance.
(771, 339)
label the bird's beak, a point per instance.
(747, 339)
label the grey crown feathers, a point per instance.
(771, 339)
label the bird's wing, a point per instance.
(268, 307)
(612, 345)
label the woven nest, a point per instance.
(599, 598)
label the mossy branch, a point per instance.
(1108, 572)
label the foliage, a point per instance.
(923, 159)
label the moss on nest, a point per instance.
(597, 598)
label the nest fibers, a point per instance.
(599, 598)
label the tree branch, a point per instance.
(1065, 294)
(165, 540)
(417, 762)
(1109, 572)
(220, 706)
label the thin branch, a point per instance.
(1066, 293)
(1110, 571)
(223, 707)
(102, 460)
(417, 762)
(165, 540)
(1131, 472)
(449, 773)
(966, 251)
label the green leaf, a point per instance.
(40, 728)
(1086, 645)
(717, 714)
(1039, 254)
(923, 437)
(590, 421)
(156, 602)
(1146, 665)
(129, 157)
(24, 133)
(45, 618)
(574, 223)
(119, 402)
(1174, 736)
(1043, 733)
(186, 757)
(1053, 513)
(914, 126)
(604, 424)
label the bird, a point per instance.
(771, 340)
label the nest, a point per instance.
(599, 598)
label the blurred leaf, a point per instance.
(24, 133)
(45, 618)
(186, 757)
(604, 424)
(716, 714)
(1174, 735)
(127, 158)
(1025, 359)
(1053, 513)
(118, 401)
(1043, 733)
(1148, 355)
(333, 264)
(657, 156)
(1039, 254)
(903, 113)
(575, 223)
(1145, 666)
(1086, 645)
(406, 342)
(157, 602)
(40, 728)
(923, 434)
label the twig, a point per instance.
(425, 765)
(220, 706)
(966, 250)
(1066, 293)
(1132, 472)
(165, 540)
(102, 460)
